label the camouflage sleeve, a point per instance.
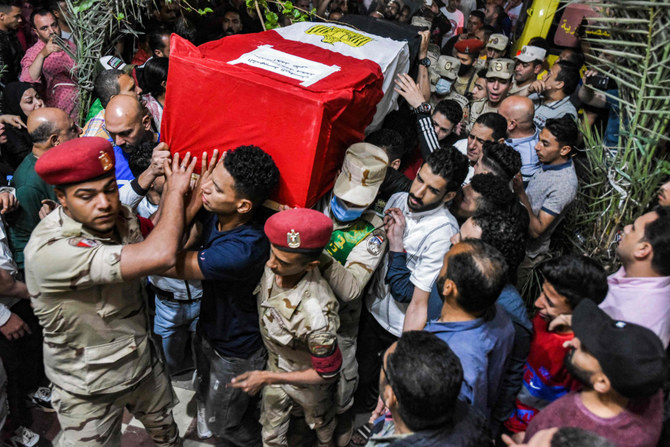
(73, 263)
(326, 354)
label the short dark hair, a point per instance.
(506, 229)
(153, 74)
(493, 189)
(479, 14)
(482, 73)
(426, 377)
(564, 129)
(450, 109)
(495, 122)
(540, 42)
(39, 12)
(6, 5)
(479, 273)
(254, 172)
(576, 278)
(575, 57)
(42, 132)
(390, 141)
(575, 436)
(107, 85)
(450, 164)
(502, 159)
(657, 233)
(401, 121)
(139, 160)
(569, 75)
(155, 38)
(231, 9)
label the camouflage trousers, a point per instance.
(96, 420)
(315, 402)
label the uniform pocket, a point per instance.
(112, 364)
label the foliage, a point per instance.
(287, 9)
(619, 183)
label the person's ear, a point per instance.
(565, 151)
(244, 206)
(601, 383)
(54, 140)
(60, 195)
(158, 53)
(537, 69)
(643, 250)
(146, 121)
(449, 288)
(312, 265)
(448, 197)
(395, 164)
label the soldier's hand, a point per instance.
(14, 328)
(8, 202)
(178, 174)
(408, 89)
(48, 206)
(251, 382)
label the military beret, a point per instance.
(469, 46)
(299, 230)
(76, 161)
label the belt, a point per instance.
(169, 296)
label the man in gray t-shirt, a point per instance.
(549, 191)
(552, 94)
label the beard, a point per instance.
(581, 375)
(146, 147)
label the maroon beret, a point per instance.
(469, 46)
(76, 161)
(299, 229)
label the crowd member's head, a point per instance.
(447, 114)
(528, 64)
(472, 276)
(567, 281)
(499, 80)
(446, 70)
(475, 23)
(664, 194)
(420, 380)
(49, 127)
(644, 248)
(60, 10)
(540, 42)
(488, 127)
(44, 24)
(503, 227)
(232, 23)
(557, 140)
(82, 172)
(297, 237)
(153, 78)
(438, 180)
(496, 46)
(112, 82)
(573, 56)
(10, 15)
(614, 358)
(240, 184)
(138, 162)
(494, 14)
(159, 42)
(479, 88)
(392, 143)
(404, 17)
(499, 159)
(485, 33)
(562, 437)
(519, 112)
(392, 9)
(337, 14)
(166, 12)
(561, 81)
(467, 51)
(483, 189)
(357, 185)
(21, 98)
(128, 122)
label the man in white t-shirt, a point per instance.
(455, 17)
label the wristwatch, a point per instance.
(424, 108)
(425, 62)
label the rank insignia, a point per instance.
(105, 161)
(293, 239)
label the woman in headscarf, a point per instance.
(19, 98)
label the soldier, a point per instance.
(446, 70)
(467, 51)
(84, 268)
(528, 66)
(299, 322)
(498, 83)
(351, 257)
(496, 47)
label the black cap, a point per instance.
(631, 356)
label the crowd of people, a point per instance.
(389, 314)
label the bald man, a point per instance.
(129, 125)
(48, 127)
(522, 134)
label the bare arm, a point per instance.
(538, 224)
(417, 311)
(158, 251)
(251, 382)
(10, 287)
(35, 69)
(186, 267)
(422, 77)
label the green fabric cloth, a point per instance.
(95, 108)
(30, 191)
(344, 240)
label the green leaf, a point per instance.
(120, 16)
(271, 17)
(83, 5)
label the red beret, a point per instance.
(469, 46)
(76, 161)
(299, 229)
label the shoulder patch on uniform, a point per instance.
(322, 344)
(83, 242)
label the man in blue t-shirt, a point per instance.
(230, 264)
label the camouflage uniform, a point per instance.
(297, 324)
(97, 348)
(477, 108)
(519, 91)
